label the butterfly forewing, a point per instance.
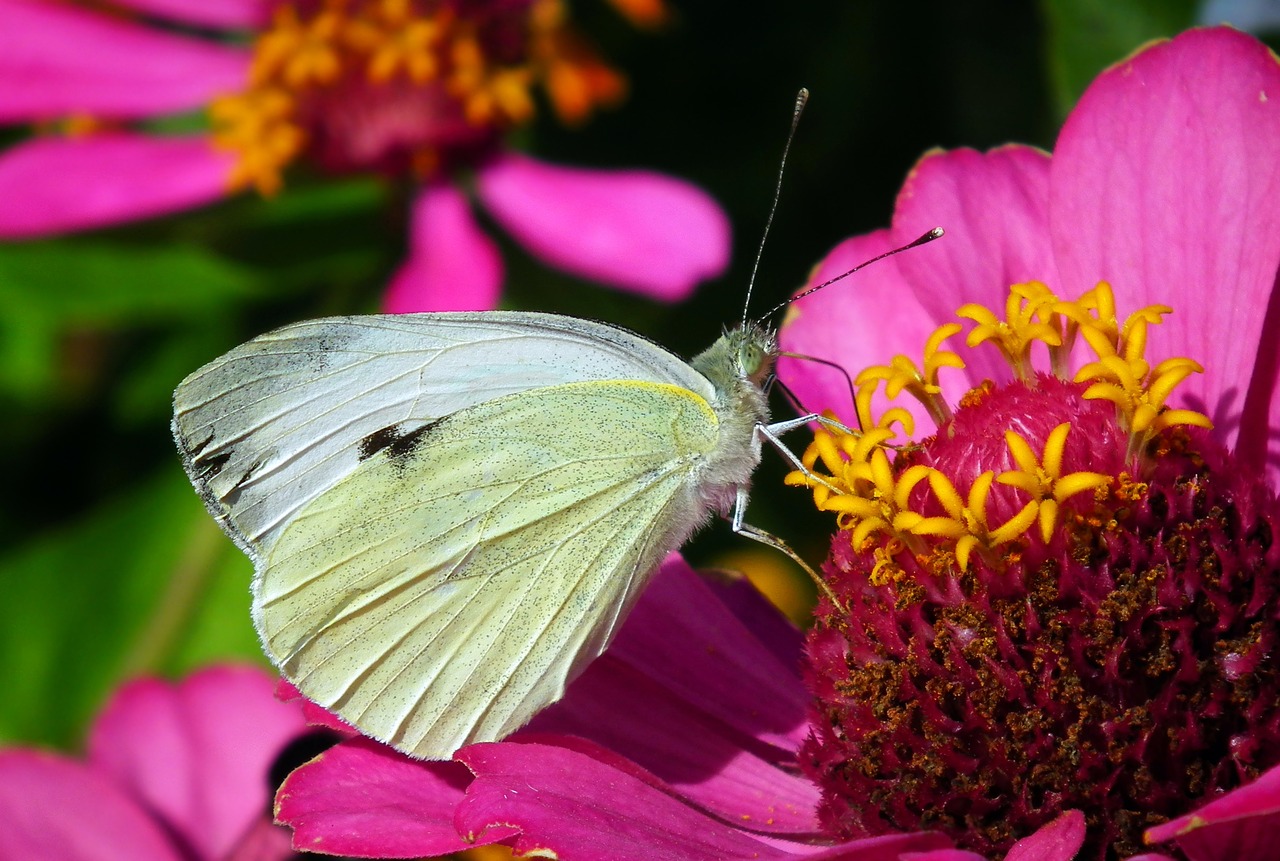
(276, 422)
(454, 582)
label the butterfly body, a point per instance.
(451, 514)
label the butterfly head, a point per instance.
(742, 356)
(757, 350)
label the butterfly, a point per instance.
(450, 514)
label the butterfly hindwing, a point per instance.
(454, 582)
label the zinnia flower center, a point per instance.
(1066, 598)
(402, 85)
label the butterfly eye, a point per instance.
(754, 352)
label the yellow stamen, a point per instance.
(966, 520)
(642, 13)
(577, 80)
(332, 48)
(1029, 316)
(886, 569)
(1139, 392)
(871, 492)
(901, 374)
(1042, 478)
(259, 126)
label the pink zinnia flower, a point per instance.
(1057, 604)
(428, 91)
(172, 771)
(683, 741)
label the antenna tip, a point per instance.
(936, 233)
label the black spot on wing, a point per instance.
(209, 467)
(195, 449)
(398, 443)
(378, 440)
(232, 496)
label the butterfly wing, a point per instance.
(453, 584)
(271, 425)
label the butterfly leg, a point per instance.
(770, 434)
(740, 527)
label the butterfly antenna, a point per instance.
(802, 98)
(915, 243)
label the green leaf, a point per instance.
(1086, 36)
(146, 584)
(97, 282)
(53, 290)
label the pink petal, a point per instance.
(363, 798)
(569, 804)
(1239, 826)
(994, 208)
(637, 230)
(765, 622)
(314, 714)
(57, 60)
(887, 847)
(452, 266)
(198, 752)
(218, 14)
(54, 807)
(680, 635)
(856, 325)
(56, 185)
(633, 711)
(703, 759)
(264, 841)
(1166, 183)
(1060, 840)
(943, 855)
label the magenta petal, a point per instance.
(855, 325)
(1060, 840)
(765, 622)
(314, 714)
(57, 60)
(994, 208)
(362, 798)
(221, 14)
(887, 847)
(680, 635)
(633, 711)
(197, 752)
(637, 230)
(56, 808)
(704, 760)
(943, 855)
(452, 265)
(56, 185)
(1239, 826)
(567, 803)
(1165, 184)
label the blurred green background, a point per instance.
(111, 567)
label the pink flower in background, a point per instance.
(1061, 597)
(428, 91)
(173, 771)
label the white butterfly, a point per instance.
(450, 515)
